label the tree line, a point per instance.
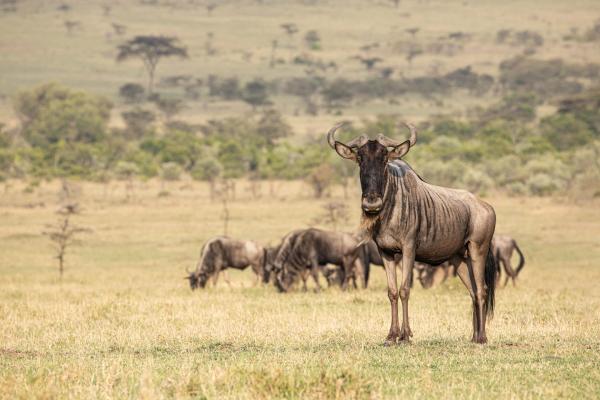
(67, 133)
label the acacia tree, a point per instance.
(62, 233)
(151, 49)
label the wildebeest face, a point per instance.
(372, 157)
(193, 278)
(283, 281)
(197, 280)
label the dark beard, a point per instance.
(368, 223)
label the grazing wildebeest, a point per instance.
(311, 249)
(222, 252)
(284, 247)
(410, 220)
(503, 247)
(370, 255)
(367, 254)
(433, 275)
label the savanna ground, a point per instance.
(123, 323)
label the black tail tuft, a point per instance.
(521, 260)
(490, 282)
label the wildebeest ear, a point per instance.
(345, 151)
(399, 151)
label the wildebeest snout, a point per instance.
(372, 203)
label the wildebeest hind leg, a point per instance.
(477, 266)
(510, 272)
(463, 273)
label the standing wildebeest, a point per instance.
(410, 220)
(311, 249)
(220, 253)
(503, 247)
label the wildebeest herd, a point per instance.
(407, 224)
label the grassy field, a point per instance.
(36, 47)
(124, 324)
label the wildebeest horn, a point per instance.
(356, 142)
(385, 141)
(331, 134)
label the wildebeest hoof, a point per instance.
(480, 340)
(391, 340)
(405, 335)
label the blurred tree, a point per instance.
(170, 171)
(337, 93)
(51, 113)
(290, 29)
(313, 40)
(565, 131)
(138, 122)
(369, 62)
(71, 26)
(132, 92)
(151, 49)
(169, 107)
(256, 94)
(62, 233)
(233, 158)
(271, 126)
(320, 179)
(119, 29)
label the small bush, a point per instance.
(170, 171)
(542, 185)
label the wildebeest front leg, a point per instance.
(226, 277)
(215, 278)
(314, 271)
(392, 282)
(304, 277)
(408, 260)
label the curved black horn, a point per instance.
(356, 142)
(331, 134)
(385, 141)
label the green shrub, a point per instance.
(52, 113)
(170, 171)
(542, 185)
(207, 169)
(565, 131)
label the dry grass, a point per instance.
(124, 324)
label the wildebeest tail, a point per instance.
(490, 282)
(521, 259)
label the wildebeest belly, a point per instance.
(432, 253)
(439, 243)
